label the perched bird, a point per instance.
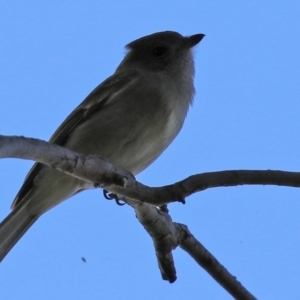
(130, 119)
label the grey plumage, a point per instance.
(130, 119)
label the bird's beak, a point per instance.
(193, 40)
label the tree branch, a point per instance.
(91, 168)
(159, 225)
(157, 222)
(210, 264)
(103, 174)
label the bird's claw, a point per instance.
(111, 196)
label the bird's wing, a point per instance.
(94, 102)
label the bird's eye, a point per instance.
(158, 51)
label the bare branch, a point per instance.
(157, 222)
(179, 191)
(91, 168)
(167, 235)
(201, 182)
(159, 225)
(210, 264)
(103, 174)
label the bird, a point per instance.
(130, 119)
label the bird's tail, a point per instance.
(13, 227)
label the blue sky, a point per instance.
(245, 116)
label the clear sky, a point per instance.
(245, 116)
